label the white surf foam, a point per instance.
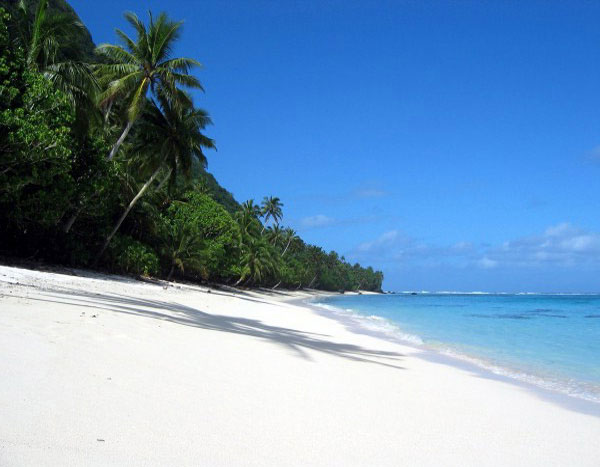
(379, 326)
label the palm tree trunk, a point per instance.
(75, 215)
(117, 145)
(286, 247)
(276, 285)
(239, 281)
(124, 215)
(73, 218)
(164, 180)
(311, 282)
(171, 272)
(113, 151)
(265, 224)
(107, 113)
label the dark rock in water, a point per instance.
(413, 293)
(592, 316)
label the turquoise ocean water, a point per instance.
(552, 341)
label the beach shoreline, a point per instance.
(106, 370)
(462, 361)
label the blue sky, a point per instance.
(454, 145)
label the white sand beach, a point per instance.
(103, 370)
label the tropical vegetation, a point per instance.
(103, 156)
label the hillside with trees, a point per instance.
(103, 157)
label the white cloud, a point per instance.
(369, 193)
(385, 239)
(320, 220)
(465, 247)
(561, 245)
(487, 263)
(369, 189)
(558, 230)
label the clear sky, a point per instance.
(455, 145)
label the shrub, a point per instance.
(201, 234)
(129, 255)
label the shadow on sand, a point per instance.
(292, 339)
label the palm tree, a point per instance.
(144, 65)
(287, 236)
(271, 208)
(173, 135)
(247, 221)
(275, 235)
(256, 261)
(138, 67)
(251, 209)
(290, 236)
(184, 247)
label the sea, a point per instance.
(548, 340)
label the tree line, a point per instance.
(103, 158)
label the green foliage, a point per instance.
(82, 43)
(173, 216)
(50, 40)
(271, 208)
(171, 134)
(212, 187)
(131, 256)
(310, 266)
(257, 261)
(201, 221)
(145, 64)
(35, 144)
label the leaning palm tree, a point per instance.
(290, 236)
(271, 209)
(173, 136)
(287, 236)
(144, 65)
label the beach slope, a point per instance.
(104, 370)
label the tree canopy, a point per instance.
(103, 157)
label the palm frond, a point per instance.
(188, 81)
(129, 43)
(181, 64)
(137, 100)
(117, 54)
(122, 86)
(165, 32)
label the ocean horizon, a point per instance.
(550, 340)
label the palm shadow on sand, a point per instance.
(292, 339)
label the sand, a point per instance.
(103, 370)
